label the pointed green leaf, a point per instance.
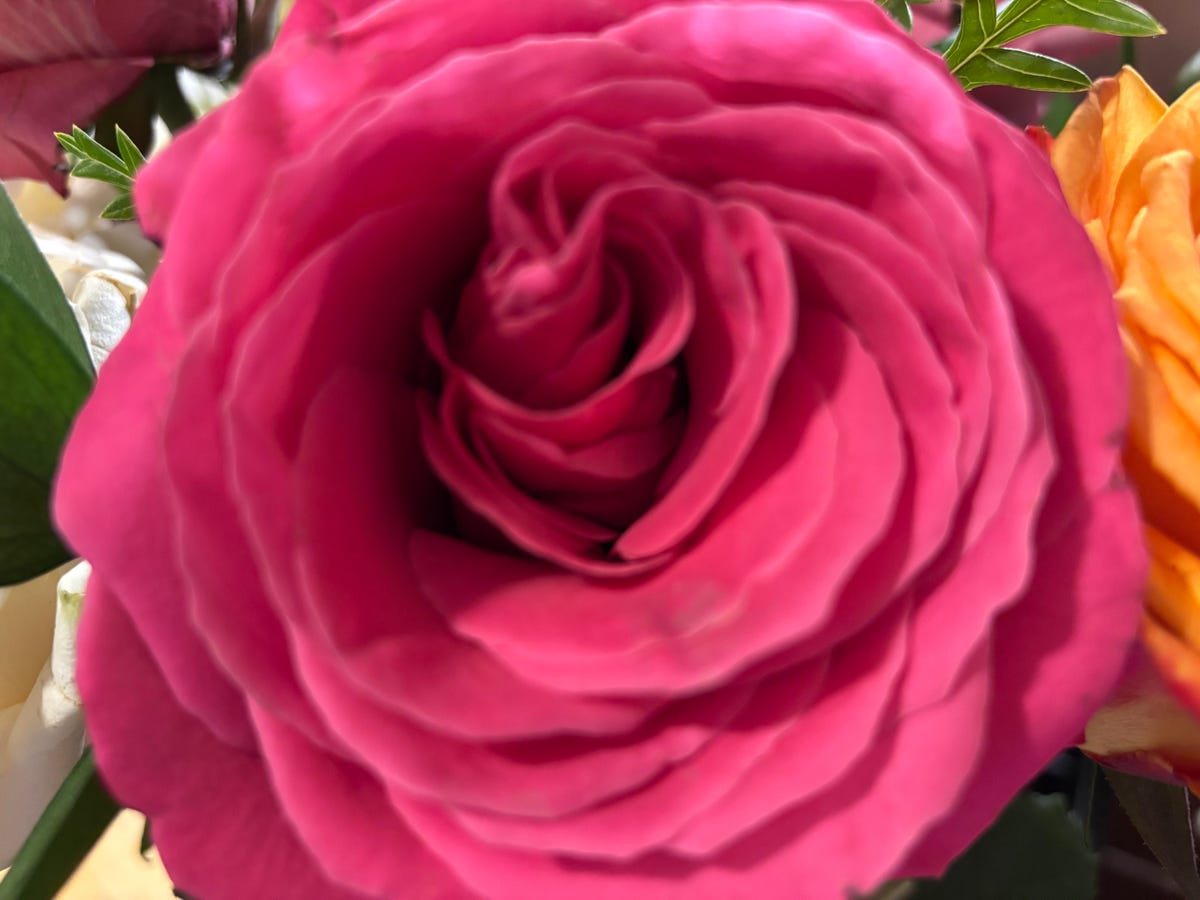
(976, 26)
(90, 148)
(42, 387)
(67, 830)
(45, 373)
(1022, 69)
(68, 143)
(1022, 17)
(1162, 815)
(120, 209)
(129, 151)
(30, 274)
(89, 168)
(982, 32)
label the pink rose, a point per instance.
(62, 61)
(599, 449)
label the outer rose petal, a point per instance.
(205, 779)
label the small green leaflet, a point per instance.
(97, 162)
(1020, 68)
(978, 55)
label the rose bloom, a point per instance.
(63, 61)
(1128, 165)
(599, 448)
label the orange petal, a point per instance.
(1100, 138)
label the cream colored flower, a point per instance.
(41, 725)
(103, 285)
(104, 289)
(77, 218)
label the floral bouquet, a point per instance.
(597, 448)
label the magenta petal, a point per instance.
(185, 778)
(833, 844)
(833, 734)
(1056, 661)
(399, 654)
(704, 618)
(342, 814)
(123, 468)
(630, 825)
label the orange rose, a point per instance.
(1130, 168)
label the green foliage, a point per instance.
(1035, 850)
(71, 824)
(978, 54)
(45, 374)
(1021, 68)
(97, 162)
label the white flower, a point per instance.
(41, 724)
(78, 218)
(104, 288)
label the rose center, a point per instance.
(583, 373)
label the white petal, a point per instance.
(41, 737)
(104, 301)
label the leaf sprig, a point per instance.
(95, 161)
(978, 53)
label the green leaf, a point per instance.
(120, 209)
(1162, 815)
(898, 10)
(42, 386)
(67, 830)
(45, 374)
(1035, 850)
(1022, 17)
(89, 168)
(982, 33)
(976, 26)
(87, 147)
(129, 150)
(98, 162)
(30, 274)
(1022, 69)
